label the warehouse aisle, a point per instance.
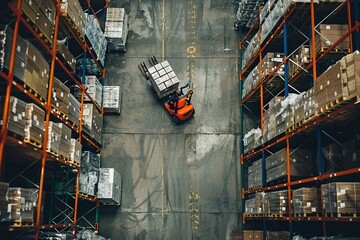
(179, 182)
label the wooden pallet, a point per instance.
(255, 188)
(43, 36)
(33, 92)
(341, 215)
(33, 142)
(74, 27)
(273, 215)
(306, 214)
(60, 113)
(73, 163)
(112, 203)
(50, 151)
(335, 50)
(22, 223)
(87, 196)
(332, 105)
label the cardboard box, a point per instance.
(248, 235)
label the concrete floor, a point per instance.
(162, 164)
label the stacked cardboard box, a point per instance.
(116, 29)
(16, 118)
(94, 88)
(74, 110)
(6, 39)
(300, 164)
(255, 174)
(29, 8)
(64, 145)
(22, 204)
(270, 61)
(250, 81)
(252, 139)
(74, 11)
(109, 187)
(75, 151)
(54, 138)
(66, 54)
(34, 128)
(276, 203)
(111, 99)
(89, 172)
(306, 201)
(248, 12)
(282, 235)
(328, 34)
(251, 49)
(163, 79)
(342, 198)
(92, 121)
(96, 37)
(350, 75)
(253, 234)
(255, 205)
(46, 18)
(4, 212)
(60, 97)
(274, 109)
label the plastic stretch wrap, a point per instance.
(16, 118)
(22, 204)
(109, 186)
(116, 29)
(92, 121)
(89, 172)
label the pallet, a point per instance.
(335, 50)
(306, 215)
(33, 142)
(50, 151)
(108, 203)
(73, 163)
(341, 215)
(60, 113)
(22, 223)
(255, 188)
(33, 92)
(87, 196)
(332, 105)
(74, 27)
(273, 215)
(43, 36)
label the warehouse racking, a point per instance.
(296, 27)
(30, 163)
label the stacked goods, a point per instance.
(94, 89)
(4, 213)
(276, 203)
(111, 99)
(92, 121)
(91, 67)
(54, 138)
(29, 8)
(350, 75)
(270, 61)
(6, 39)
(253, 234)
(163, 79)
(66, 54)
(96, 37)
(75, 151)
(300, 164)
(255, 174)
(34, 128)
(251, 49)
(329, 34)
(341, 198)
(65, 138)
(255, 205)
(248, 11)
(60, 97)
(304, 55)
(74, 110)
(46, 18)
(116, 29)
(306, 201)
(73, 10)
(250, 81)
(274, 107)
(309, 103)
(22, 204)
(16, 118)
(282, 235)
(89, 172)
(36, 73)
(252, 139)
(109, 187)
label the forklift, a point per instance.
(175, 100)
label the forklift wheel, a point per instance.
(176, 119)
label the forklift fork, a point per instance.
(144, 70)
(153, 61)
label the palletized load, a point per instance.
(89, 172)
(75, 151)
(306, 201)
(276, 203)
(163, 79)
(116, 29)
(66, 54)
(73, 10)
(96, 37)
(92, 121)
(252, 139)
(301, 164)
(64, 145)
(255, 205)
(341, 198)
(34, 128)
(94, 87)
(4, 211)
(328, 34)
(111, 99)
(60, 97)
(109, 187)
(22, 204)
(54, 138)
(16, 118)
(255, 175)
(74, 110)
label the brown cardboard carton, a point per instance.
(248, 235)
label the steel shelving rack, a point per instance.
(300, 18)
(36, 157)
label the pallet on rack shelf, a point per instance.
(72, 163)
(87, 196)
(334, 50)
(306, 214)
(73, 27)
(21, 223)
(339, 215)
(60, 113)
(51, 152)
(33, 142)
(332, 105)
(33, 92)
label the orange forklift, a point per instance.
(165, 84)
